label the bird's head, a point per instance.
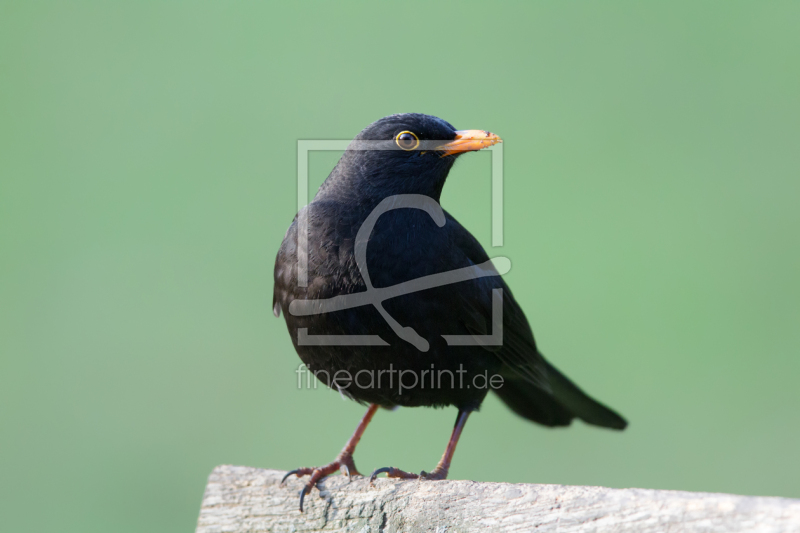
(408, 153)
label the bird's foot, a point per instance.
(344, 463)
(436, 473)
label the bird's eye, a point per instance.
(407, 140)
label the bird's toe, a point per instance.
(344, 463)
(392, 472)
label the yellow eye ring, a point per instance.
(405, 143)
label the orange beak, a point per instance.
(469, 141)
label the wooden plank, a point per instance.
(240, 498)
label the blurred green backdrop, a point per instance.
(148, 163)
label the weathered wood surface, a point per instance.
(239, 498)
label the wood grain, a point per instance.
(242, 499)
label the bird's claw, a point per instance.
(345, 470)
(433, 475)
(305, 490)
(295, 471)
(343, 463)
(384, 470)
(393, 472)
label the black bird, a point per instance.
(335, 283)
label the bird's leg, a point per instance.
(343, 462)
(440, 472)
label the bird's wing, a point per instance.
(518, 350)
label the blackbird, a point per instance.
(392, 302)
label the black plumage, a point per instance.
(407, 244)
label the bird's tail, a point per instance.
(559, 407)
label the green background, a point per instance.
(148, 174)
